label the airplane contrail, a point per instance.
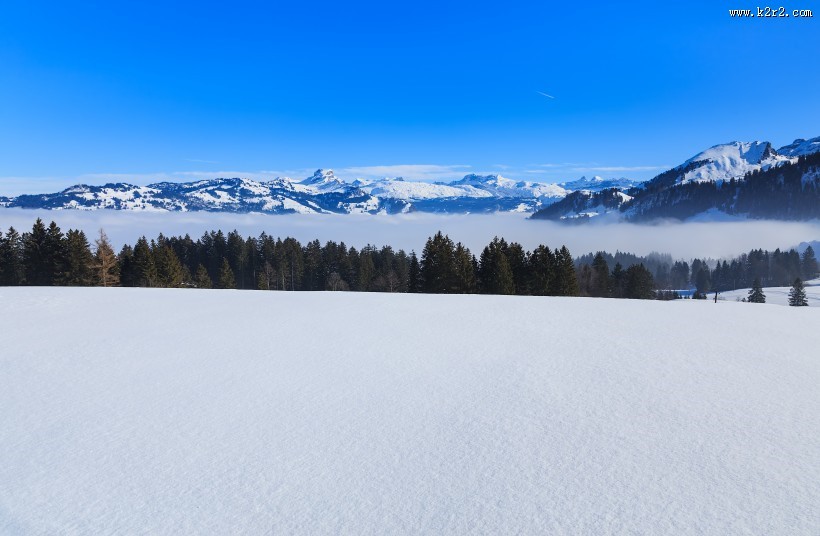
(544, 94)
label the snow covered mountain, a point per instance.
(746, 179)
(322, 192)
(597, 183)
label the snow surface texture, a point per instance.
(778, 295)
(144, 411)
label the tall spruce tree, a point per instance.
(797, 294)
(145, 270)
(202, 279)
(414, 274)
(600, 285)
(170, 273)
(809, 264)
(226, 277)
(12, 268)
(36, 256)
(756, 294)
(77, 262)
(495, 275)
(465, 266)
(565, 282)
(438, 271)
(639, 283)
(542, 271)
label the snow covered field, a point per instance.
(131, 411)
(778, 295)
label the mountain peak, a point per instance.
(321, 176)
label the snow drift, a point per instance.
(226, 412)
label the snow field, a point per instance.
(223, 412)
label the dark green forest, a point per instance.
(46, 256)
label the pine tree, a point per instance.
(106, 269)
(465, 266)
(797, 294)
(77, 262)
(756, 294)
(35, 256)
(169, 269)
(565, 282)
(495, 275)
(202, 279)
(541, 271)
(639, 283)
(145, 270)
(414, 274)
(226, 277)
(56, 254)
(809, 264)
(12, 269)
(437, 271)
(600, 277)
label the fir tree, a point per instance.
(797, 294)
(494, 272)
(12, 268)
(35, 256)
(756, 294)
(542, 271)
(169, 270)
(600, 284)
(56, 254)
(639, 283)
(226, 277)
(414, 274)
(145, 270)
(565, 282)
(809, 264)
(465, 266)
(106, 272)
(77, 262)
(202, 279)
(438, 265)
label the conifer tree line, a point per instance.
(47, 256)
(770, 268)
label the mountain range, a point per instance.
(691, 189)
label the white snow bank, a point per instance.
(778, 295)
(223, 412)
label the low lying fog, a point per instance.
(409, 232)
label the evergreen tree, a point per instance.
(12, 268)
(617, 281)
(438, 274)
(56, 254)
(145, 270)
(106, 273)
(36, 256)
(465, 266)
(226, 277)
(202, 279)
(797, 294)
(78, 261)
(169, 270)
(565, 282)
(639, 283)
(809, 264)
(126, 267)
(494, 272)
(542, 271)
(600, 284)
(414, 274)
(756, 294)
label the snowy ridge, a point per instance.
(730, 161)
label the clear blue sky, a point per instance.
(143, 89)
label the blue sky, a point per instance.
(97, 90)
